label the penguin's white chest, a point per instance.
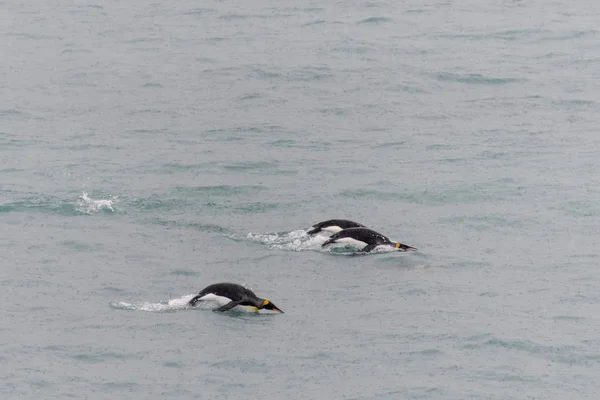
(215, 298)
(222, 300)
(332, 229)
(348, 241)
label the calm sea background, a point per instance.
(149, 149)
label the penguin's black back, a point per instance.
(366, 235)
(342, 223)
(232, 291)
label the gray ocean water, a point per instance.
(149, 149)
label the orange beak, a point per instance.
(405, 247)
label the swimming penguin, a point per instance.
(364, 238)
(334, 226)
(229, 295)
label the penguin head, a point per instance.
(268, 305)
(403, 247)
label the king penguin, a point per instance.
(364, 239)
(230, 295)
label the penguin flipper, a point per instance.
(193, 301)
(328, 242)
(368, 248)
(228, 306)
(313, 231)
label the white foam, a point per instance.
(179, 303)
(293, 241)
(88, 205)
(210, 302)
(299, 240)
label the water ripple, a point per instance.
(475, 79)
(375, 20)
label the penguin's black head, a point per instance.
(403, 247)
(268, 305)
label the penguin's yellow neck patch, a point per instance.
(397, 245)
(265, 303)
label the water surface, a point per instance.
(148, 150)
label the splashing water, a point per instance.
(91, 206)
(172, 305)
(299, 240)
(177, 304)
(294, 241)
